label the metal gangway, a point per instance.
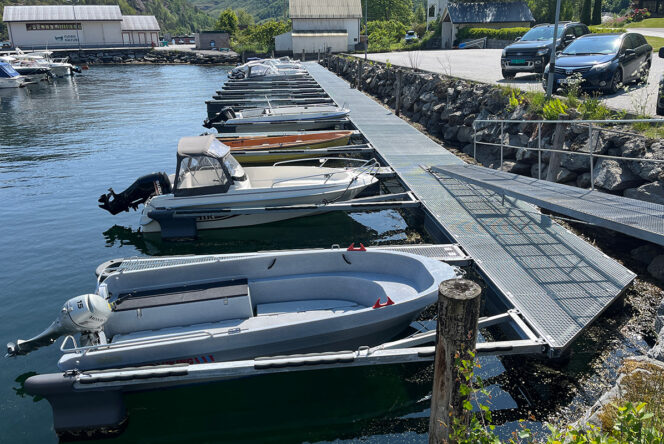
(556, 282)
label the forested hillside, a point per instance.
(260, 9)
(174, 16)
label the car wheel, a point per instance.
(616, 81)
(508, 74)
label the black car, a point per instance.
(531, 52)
(604, 62)
(660, 94)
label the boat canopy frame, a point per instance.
(202, 148)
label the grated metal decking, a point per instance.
(558, 282)
(636, 218)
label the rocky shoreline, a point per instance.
(447, 107)
(138, 56)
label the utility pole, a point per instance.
(366, 30)
(552, 58)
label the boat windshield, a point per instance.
(7, 71)
(200, 172)
(234, 168)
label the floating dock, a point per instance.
(558, 283)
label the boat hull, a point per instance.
(11, 82)
(288, 125)
(283, 144)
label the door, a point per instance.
(141, 38)
(447, 33)
(126, 39)
(628, 59)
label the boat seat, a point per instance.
(306, 305)
(181, 295)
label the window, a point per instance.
(579, 31)
(200, 172)
(52, 26)
(432, 11)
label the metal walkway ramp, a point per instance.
(558, 282)
(636, 218)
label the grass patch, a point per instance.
(648, 23)
(655, 42)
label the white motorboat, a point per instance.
(9, 77)
(266, 68)
(31, 70)
(212, 190)
(282, 118)
(58, 67)
(242, 306)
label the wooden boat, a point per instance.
(303, 141)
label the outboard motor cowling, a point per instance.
(224, 115)
(137, 193)
(83, 314)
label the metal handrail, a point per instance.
(134, 342)
(539, 148)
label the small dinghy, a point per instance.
(302, 141)
(283, 118)
(211, 190)
(233, 307)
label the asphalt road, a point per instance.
(483, 65)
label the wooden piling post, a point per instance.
(397, 105)
(358, 81)
(556, 157)
(244, 58)
(319, 56)
(303, 54)
(458, 315)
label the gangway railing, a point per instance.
(593, 127)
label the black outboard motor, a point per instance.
(138, 192)
(222, 116)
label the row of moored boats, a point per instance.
(203, 309)
(18, 68)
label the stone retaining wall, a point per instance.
(148, 55)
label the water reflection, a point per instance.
(302, 232)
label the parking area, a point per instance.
(483, 65)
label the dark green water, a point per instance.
(61, 146)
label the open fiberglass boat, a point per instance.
(233, 307)
(282, 118)
(213, 191)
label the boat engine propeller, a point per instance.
(84, 314)
(137, 193)
(222, 116)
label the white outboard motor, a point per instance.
(83, 314)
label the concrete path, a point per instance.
(653, 32)
(483, 65)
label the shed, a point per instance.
(455, 16)
(213, 40)
(140, 30)
(322, 25)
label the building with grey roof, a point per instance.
(77, 26)
(454, 16)
(321, 25)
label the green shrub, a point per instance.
(554, 108)
(536, 101)
(592, 109)
(598, 29)
(498, 34)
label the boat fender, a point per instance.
(351, 247)
(379, 305)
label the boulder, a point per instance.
(632, 147)
(657, 352)
(470, 118)
(614, 176)
(650, 171)
(583, 180)
(656, 267)
(465, 134)
(450, 132)
(517, 167)
(650, 192)
(455, 118)
(646, 253)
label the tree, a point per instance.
(585, 12)
(244, 18)
(227, 22)
(401, 10)
(265, 33)
(597, 12)
(420, 14)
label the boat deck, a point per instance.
(558, 282)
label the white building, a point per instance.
(76, 26)
(140, 30)
(322, 25)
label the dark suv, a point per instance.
(531, 52)
(660, 94)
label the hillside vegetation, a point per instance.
(174, 16)
(260, 9)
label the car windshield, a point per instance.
(593, 45)
(541, 33)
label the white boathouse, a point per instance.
(321, 25)
(79, 26)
